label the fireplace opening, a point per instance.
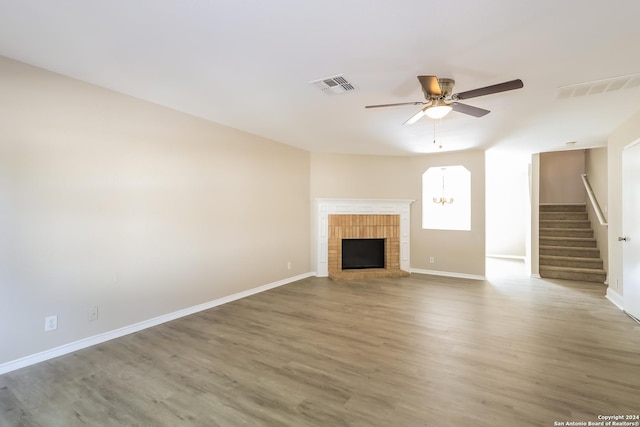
(362, 253)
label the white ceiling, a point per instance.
(248, 63)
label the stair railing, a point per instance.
(594, 201)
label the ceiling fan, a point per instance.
(440, 100)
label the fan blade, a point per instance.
(395, 105)
(469, 109)
(417, 116)
(488, 90)
(430, 86)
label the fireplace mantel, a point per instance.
(326, 207)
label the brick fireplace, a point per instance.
(340, 219)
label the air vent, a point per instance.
(334, 85)
(599, 86)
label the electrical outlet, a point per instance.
(431, 260)
(289, 265)
(93, 313)
(50, 323)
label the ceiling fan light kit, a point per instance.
(440, 100)
(438, 111)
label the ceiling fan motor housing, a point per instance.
(435, 88)
(446, 87)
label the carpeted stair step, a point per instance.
(567, 261)
(564, 223)
(566, 232)
(570, 251)
(573, 216)
(583, 242)
(572, 207)
(570, 273)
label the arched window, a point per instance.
(446, 198)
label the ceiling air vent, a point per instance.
(599, 86)
(334, 85)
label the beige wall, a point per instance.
(107, 200)
(626, 134)
(560, 177)
(532, 260)
(596, 170)
(377, 177)
(362, 177)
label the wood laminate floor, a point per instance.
(417, 351)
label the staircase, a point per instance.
(568, 249)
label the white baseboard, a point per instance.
(126, 330)
(448, 274)
(615, 298)
(535, 276)
(501, 256)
